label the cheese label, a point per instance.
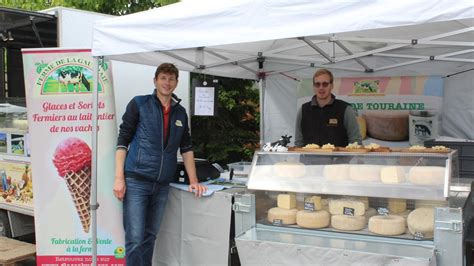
(383, 211)
(277, 222)
(309, 206)
(348, 211)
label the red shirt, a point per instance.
(166, 120)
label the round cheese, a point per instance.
(430, 203)
(421, 220)
(336, 206)
(365, 173)
(387, 125)
(286, 216)
(392, 175)
(312, 219)
(426, 175)
(397, 205)
(348, 223)
(390, 225)
(289, 169)
(336, 172)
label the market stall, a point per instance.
(280, 44)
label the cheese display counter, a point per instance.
(341, 208)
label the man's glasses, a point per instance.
(319, 84)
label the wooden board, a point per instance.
(358, 150)
(427, 150)
(12, 250)
(310, 150)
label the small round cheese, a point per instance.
(336, 206)
(286, 216)
(348, 223)
(392, 175)
(390, 225)
(289, 169)
(397, 205)
(365, 173)
(312, 219)
(426, 175)
(421, 220)
(336, 172)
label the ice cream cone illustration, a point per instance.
(72, 159)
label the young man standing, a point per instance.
(154, 127)
(326, 119)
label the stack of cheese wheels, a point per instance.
(289, 169)
(365, 173)
(396, 206)
(389, 225)
(344, 222)
(336, 172)
(426, 175)
(392, 175)
(312, 219)
(421, 220)
(286, 210)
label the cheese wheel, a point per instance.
(390, 225)
(421, 220)
(336, 206)
(387, 125)
(365, 173)
(336, 172)
(369, 213)
(286, 216)
(392, 175)
(348, 223)
(289, 169)
(426, 175)
(286, 201)
(397, 205)
(430, 203)
(312, 219)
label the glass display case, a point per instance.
(377, 207)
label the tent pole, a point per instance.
(93, 204)
(261, 85)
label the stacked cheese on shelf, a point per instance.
(426, 175)
(318, 218)
(393, 224)
(341, 221)
(421, 222)
(286, 211)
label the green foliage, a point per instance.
(232, 135)
(116, 7)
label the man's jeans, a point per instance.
(143, 208)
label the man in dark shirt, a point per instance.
(153, 128)
(326, 119)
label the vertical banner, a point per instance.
(58, 84)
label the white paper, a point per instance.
(204, 101)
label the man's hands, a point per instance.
(197, 188)
(119, 188)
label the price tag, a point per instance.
(383, 211)
(309, 206)
(418, 236)
(348, 211)
(278, 222)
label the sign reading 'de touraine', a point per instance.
(59, 85)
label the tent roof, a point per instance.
(247, 38)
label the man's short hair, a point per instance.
(323, 71)
(167, 68)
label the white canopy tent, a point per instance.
(280, 39)
(280, 42)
